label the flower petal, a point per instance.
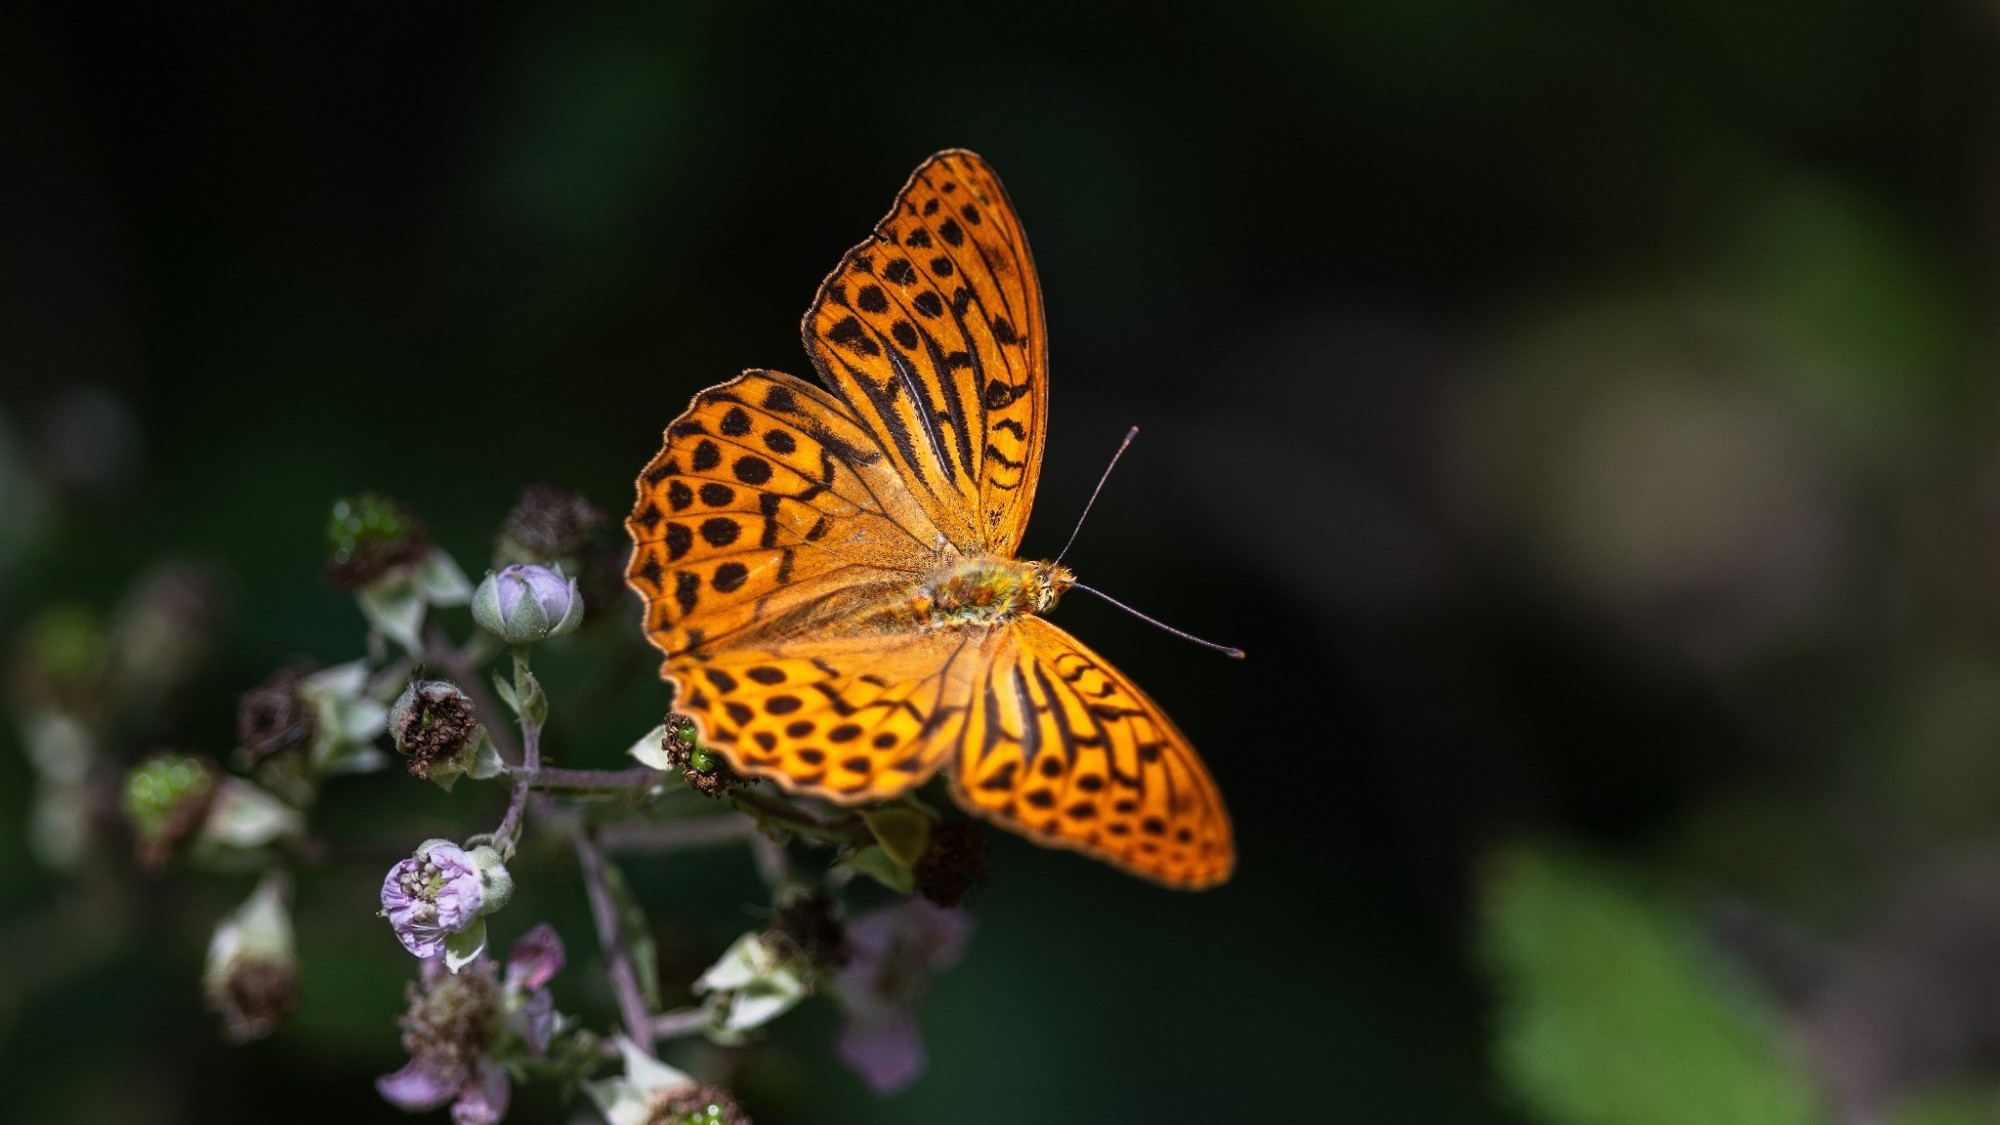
(886, 1050)
(483, 1101)
(420, 1087)
(535, 1021)
(535, 957)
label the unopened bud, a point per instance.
(523, 604)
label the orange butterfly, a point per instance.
(832, 576)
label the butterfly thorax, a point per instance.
(979, 591)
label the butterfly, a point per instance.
(830, 571)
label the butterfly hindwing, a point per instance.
(1060, 746)
(848, 720)
(764, 489)
(931, 333)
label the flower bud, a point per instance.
(252, 977)
(367, 536)
(524, 604)
(433, 724)
(167, 800)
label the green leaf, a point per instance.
(1611, 1010)
(876, 863)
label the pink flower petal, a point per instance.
(887, 1051)
(484, 1099)
(419, 1087)
(535, 958)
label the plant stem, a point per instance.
(464, 672)
(531, 756)
(687, 1021)
(624, 978)
(638, 777)
(798, 820)
(672, 835)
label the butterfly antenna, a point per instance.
(1232, 653)
(1122, 446)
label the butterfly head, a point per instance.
(1051, 579)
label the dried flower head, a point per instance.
(696, 1105)
(809, 923)
(449, 1026)
(167, 800)
(432, 722)
(705, 771)
(367, 536)
(273, 718)
(252, 978)
(549, 525)
(954, 866)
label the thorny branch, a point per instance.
(618, 958)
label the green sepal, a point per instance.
(505, 689)
(903, 832)
(486, 763)
(534, 703)
(461, 948)
(875, 862)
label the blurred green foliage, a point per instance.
(1611, 1010)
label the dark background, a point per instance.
(1582, 413)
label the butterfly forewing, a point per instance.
(766, 500)
(931, 332)
(1060, 746)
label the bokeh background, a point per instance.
(1582, 413)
